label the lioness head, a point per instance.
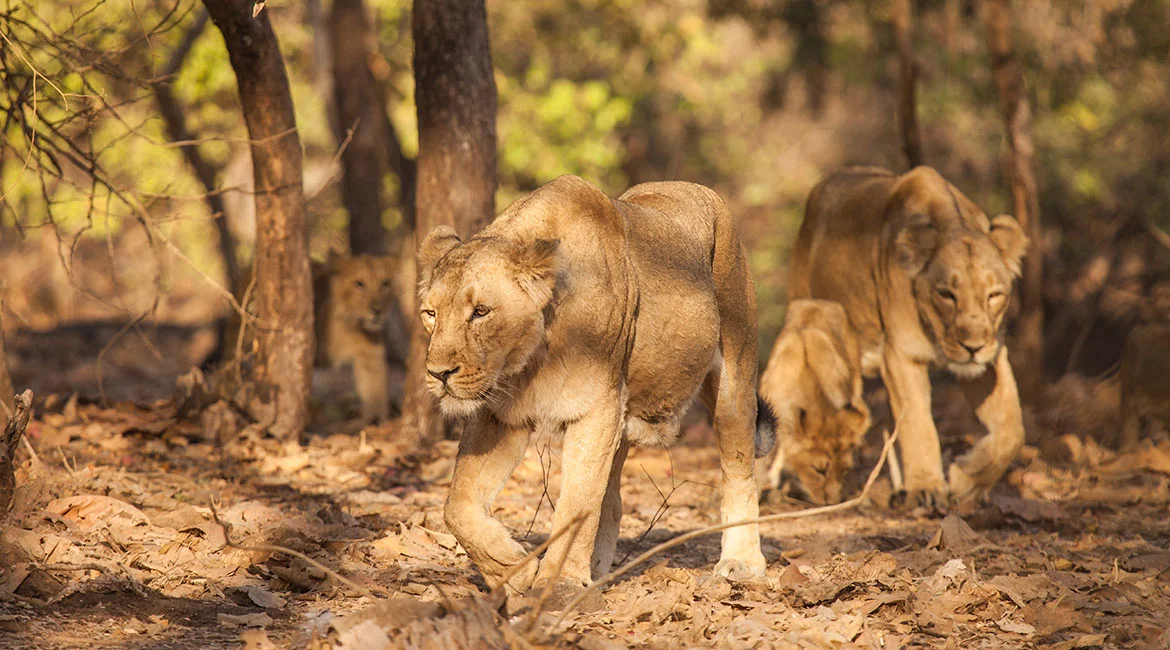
(962, 283)
(361, 290)
(483, 303)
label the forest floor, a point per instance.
(113, 543)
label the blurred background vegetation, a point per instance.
(755, 99)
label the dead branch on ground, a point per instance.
(686, 537)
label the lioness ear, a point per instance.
(536, 268)
(438, 243)
(916, 242)
(1009, 238)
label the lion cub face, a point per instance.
(818, 453)
(482, 303)
(361, 290)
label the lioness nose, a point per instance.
(442, 375)
(973, 348)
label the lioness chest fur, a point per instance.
(602, 318)
(925, 277)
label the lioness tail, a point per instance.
(765, 428)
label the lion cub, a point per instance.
(1145, 366)
(352, 300)
(813, 381)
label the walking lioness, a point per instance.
(600, 318)
(926, 279)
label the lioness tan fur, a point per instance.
(599, 318)
(1145, 366)
(813, 382)
(352, 298)
(926, 279)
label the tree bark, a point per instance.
(1017, 116)
(283, 294)
(902, 17)
(359, 108)
(456, 97)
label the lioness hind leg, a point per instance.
(609, 525)
(488, 454)
(996, 401)
(735, 408)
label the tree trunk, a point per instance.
(1017, 115)
(902, 16)
(360, 116)
(456, 96)
(283, 294)
(173, 116)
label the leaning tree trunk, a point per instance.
(456, 97)
(1017, 115)
(359, 116)
(902, 16)
(283, 294)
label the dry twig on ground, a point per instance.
(669, 544)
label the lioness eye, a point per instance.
(480, 311)
(360, 284)
(385, 283)
(429, 313)
(822, 469)
(946, 294)
(995, 295)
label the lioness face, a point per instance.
(963, 295)
(482, 303)
(362, 289)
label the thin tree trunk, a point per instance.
(1017, 115)
(284, 302)
(360, 109)
(173, 116)
(456, 96)
(902, 16)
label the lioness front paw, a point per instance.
(740, 571)
(935, 499)
(964, 486)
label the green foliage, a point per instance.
(757, 100)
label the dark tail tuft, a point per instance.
(765, 428)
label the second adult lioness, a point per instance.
(601, 319)
(926, 279)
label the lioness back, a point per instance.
(813, 382)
